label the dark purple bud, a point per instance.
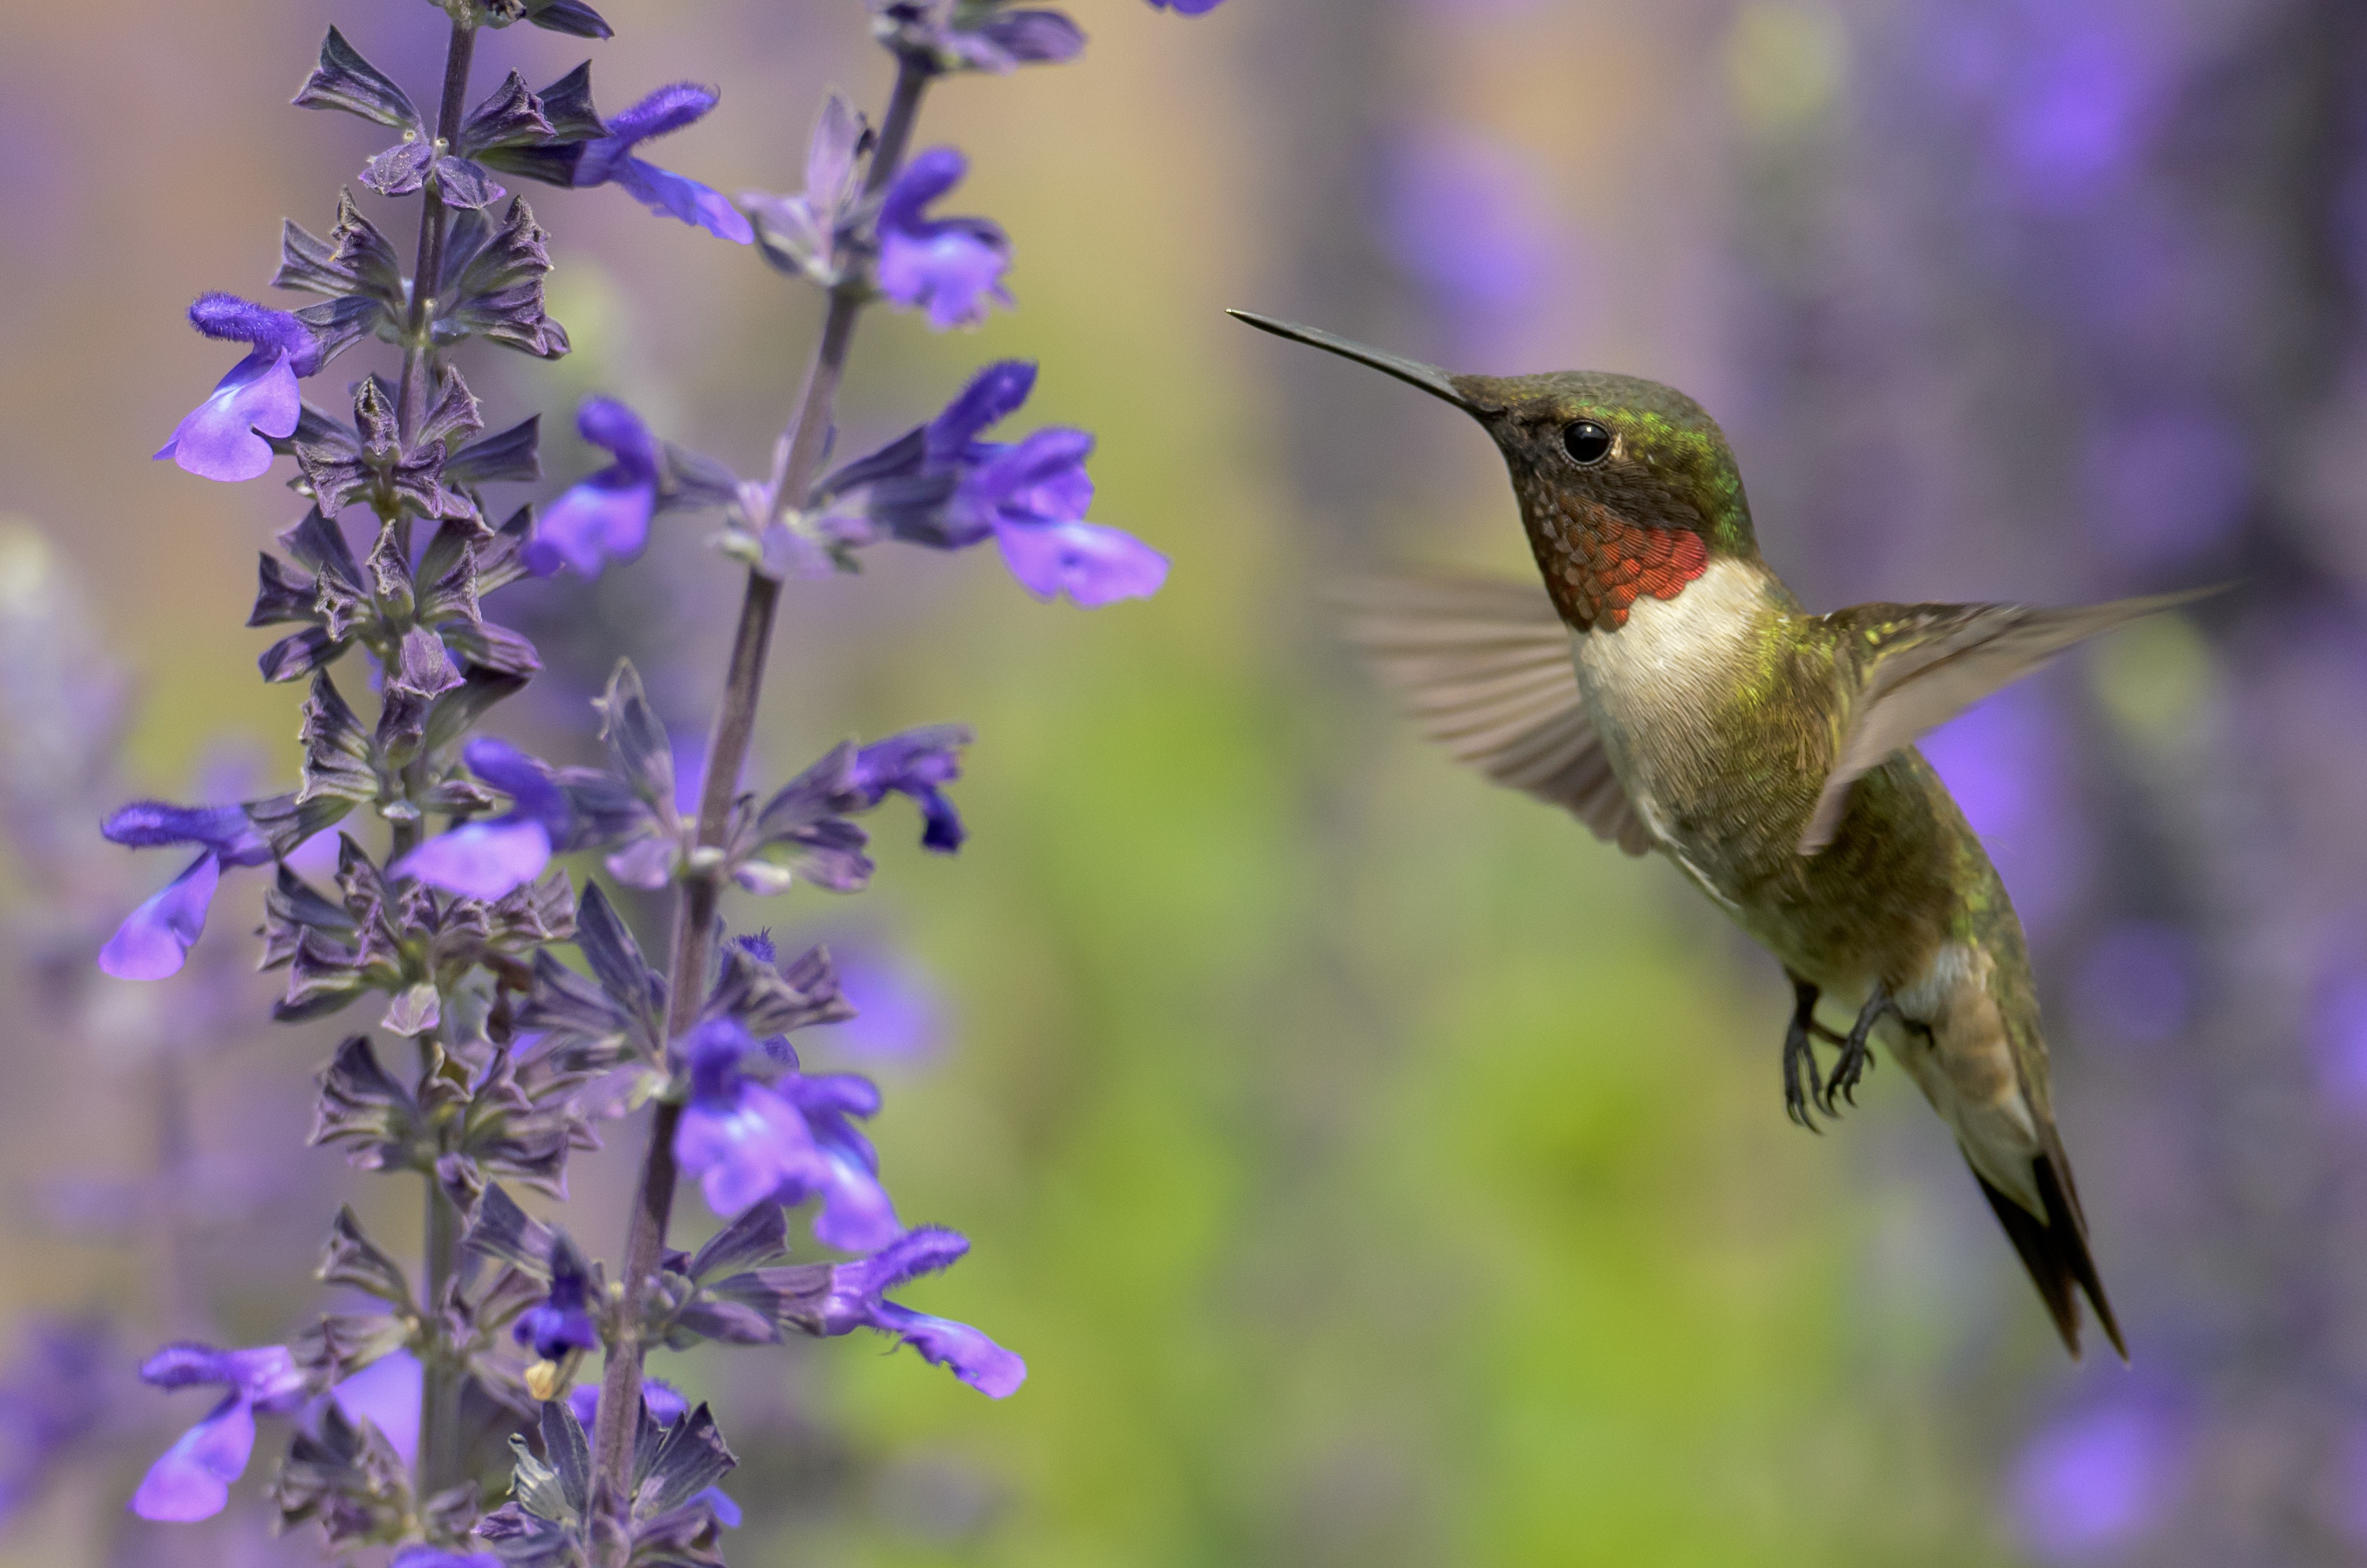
(563, 1321)
(343, 80)
(509, 115)
(1032, 37)
(569, 17)
(916, 764)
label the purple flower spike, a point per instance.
(156, 938)
(493, 859)
(856, 1302)
(953, 267)
(605, 517)
(609, 161)
(191, 1481)
(218, 438)
(739, 1137)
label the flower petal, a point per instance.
(604, 519)
(217, 439)
(191, 1479)
(672, 195)
(969, 1355)
(480, 860)
(387, 1391)
(1094, 565)
(154, 939)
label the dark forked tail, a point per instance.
(2055, 1250)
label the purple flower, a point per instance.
(192, 1479)
(562, 1321)
(609, 161)
(218, 438)
(977, 37)
(1186, 7)
(951, 266)
(605, 517)
(154, 940)
(942, 487)
(811, 233)
(2094, 1483)
(748, 1141)
(661, 1399)
(855, 1300)
(387, 1394)
(491, 859)
(739, 1137)
(53, 1394)
(917, 763)
(419, 1554)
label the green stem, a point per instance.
(694, 937)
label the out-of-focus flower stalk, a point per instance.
(796, 467)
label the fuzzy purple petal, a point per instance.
(667, 111)
(952, 273)
(524, 779)
(154, 824)
(606, 517)
(154, 939)
(217, 439)
(744, 1147)
(857, 1213)
(1094, 565)
(992, 395)
(191, 1480)
(615, 429)
(480, 860)
(678, 196)
(925, 177)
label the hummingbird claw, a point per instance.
(1857, 1058)
(1800, 1057)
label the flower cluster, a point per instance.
(415, 867)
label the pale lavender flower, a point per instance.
(951, 267)
(739, 1137)
(609, 161)
(154, 940)
(607, 515)
(218, 438)
(491, 859)
(192, 1479)
(2094, 1484)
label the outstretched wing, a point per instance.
(1485, 666)
(1916, 667)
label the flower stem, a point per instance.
(440, 1458)
(434, 221)
(735, 727)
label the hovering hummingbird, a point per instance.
(1667, 689)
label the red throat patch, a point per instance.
(1597, 564)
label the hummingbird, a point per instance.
(1665, 687)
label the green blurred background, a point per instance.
(1372, 1168)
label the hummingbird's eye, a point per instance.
(1586, 442)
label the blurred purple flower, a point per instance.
(419, 1554)
(952, 267)
(2339, 1027)
(2093, 1482)
(898, 1012)
(1467, 217)
(2136, 983)
(561, 1321)
(977, 37)
(857, 1300)
(2073, 116)
(941, 486)
(192, 1479)
(609, 161)
(748, 1141)
(154, 940)
(218, 439)
(387, 1394)
(52, 1395)
(2002, 759)
(916, 764)
(1186, 7)
(660, 1398)
(739, 1136)
(607, 515)
(2167, 485)
(491, 859)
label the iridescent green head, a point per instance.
(1626, 487)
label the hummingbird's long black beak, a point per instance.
(1429, 378)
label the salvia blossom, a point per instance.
(952, 267)
(605, 517)
(747, 1140)
(222, 438)
(856, 1299)
(192, 1479)
(154, 940)
(994, 37)
(916, 764)
(561, 1322)
(942, 487)
(611, 161)
(491, 859)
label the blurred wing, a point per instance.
(1485, 666)
(1917, 666)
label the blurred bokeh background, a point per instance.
(1372, 1169)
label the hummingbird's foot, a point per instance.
(1800, 1055)
(1856, 1054)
